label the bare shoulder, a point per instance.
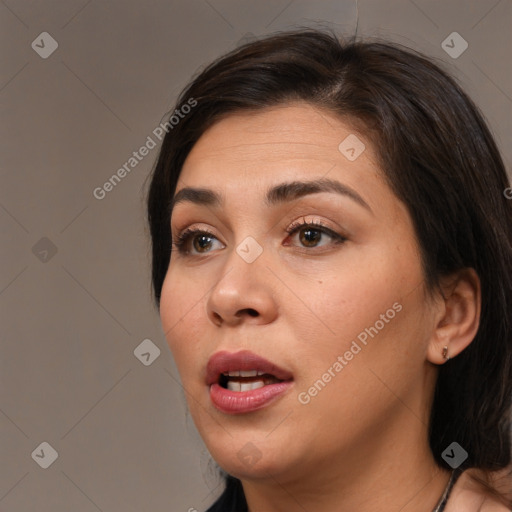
(470, 501)
(469, 496)
(494, 506)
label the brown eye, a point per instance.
(310, 237)
(201, 242)
(310, 234)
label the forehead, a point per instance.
(286, 139)
(242, 159)
(293, 123)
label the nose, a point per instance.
(243, 293)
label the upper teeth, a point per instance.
(244, 373)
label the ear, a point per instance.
(458, 316)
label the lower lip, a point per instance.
(239, 402)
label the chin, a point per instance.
(245, 470)
(249, 456)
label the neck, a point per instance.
(409, 480)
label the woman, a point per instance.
(332, 256)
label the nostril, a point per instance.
(249, 311)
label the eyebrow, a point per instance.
(278, 194)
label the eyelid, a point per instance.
(319, 225)
(184, 235)
(182, 239)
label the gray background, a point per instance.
(71, 319)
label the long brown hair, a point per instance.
(441, 161)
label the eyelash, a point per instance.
(183, 238)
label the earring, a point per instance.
(445, 353)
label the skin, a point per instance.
(361, 442)
(469, 495)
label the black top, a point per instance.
(233, 498)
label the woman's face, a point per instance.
(340, 308)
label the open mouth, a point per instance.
(243, 382)
(246, 380)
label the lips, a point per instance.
(244, 382)
(243, 361)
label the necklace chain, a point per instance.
(444, 498)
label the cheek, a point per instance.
(170, 312)
(181, 317)
(373, 299)
(347, 299)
